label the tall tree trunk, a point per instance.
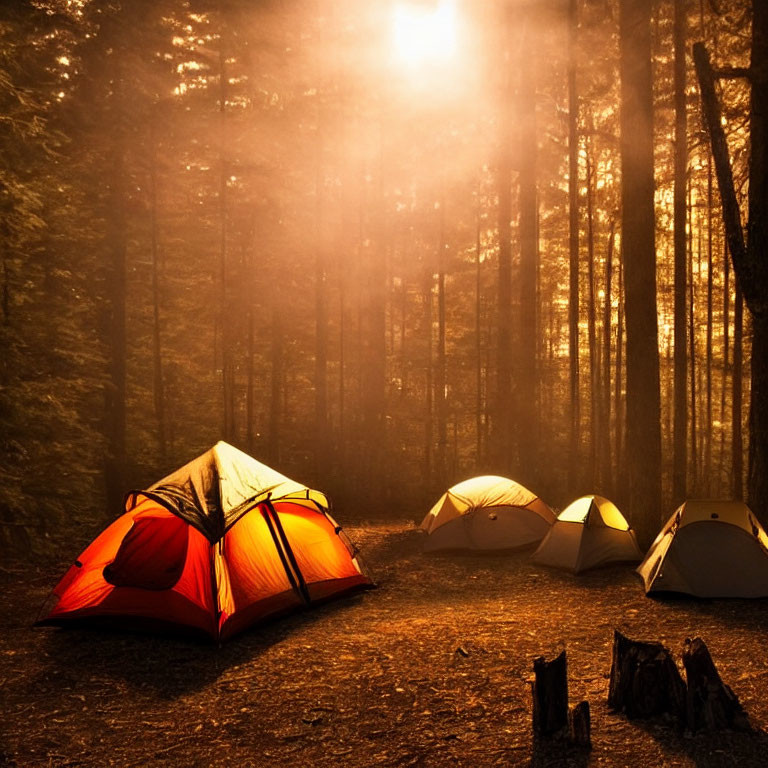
(428, 390)
(117, 244)
(757, 247)
(250, 364)
(680, 439)
(157, 352)
(440, 368)
(225, 324)
(277, 380)
(737, 443)
(573, 243)
(375, 365)
(478, 344)
(403, 345)
(342, 283)
(618, 400)
(605, 420)
(750, 260)
(321, 452)
(527, 426)
(373, 337)
(502, 421)
(250, 351)
(708, 371)
(694, 462)
(726, 362)
(638, 229)
(591, 321)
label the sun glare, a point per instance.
(424, 33)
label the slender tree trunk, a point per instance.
(250, 351)
(737, 443)
(618, 399)
(680, 457)
(478, 344)
(708, 379)
(404, 352)
(250, 398)
(638, 230)
(157, 352)
(573, 243)
(429, 390)
(342, 283)
(668, 385)
(117, 243)
(277, 380)
(503, 422)
(699, 438)
(605, 435)
(440, 368)
(694, 463)
(321, 453)
(357, 404)
(591, 322)
(527, 426)
(726, 360)
(225, 324)
(373, 342)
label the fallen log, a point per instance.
(550, 696)
(645, 681)
(710, 704)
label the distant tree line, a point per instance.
(248, 221)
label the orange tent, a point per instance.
(221, 543)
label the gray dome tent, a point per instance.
(588, 533)
(709, 549)
(486, 513)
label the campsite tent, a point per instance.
(588, 533)
(486, 513)
(217, 545)
(709, 549)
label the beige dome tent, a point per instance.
(709, 549)
(588, 533)
(486, 513)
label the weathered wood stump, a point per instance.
(645, 681)
(580, 725)
(550, 696)
(710, 704)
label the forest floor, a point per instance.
(430, 669)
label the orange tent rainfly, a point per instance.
(217, 545)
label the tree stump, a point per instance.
(550, 696)
(645, 681)
(710, 704)
(580, 725)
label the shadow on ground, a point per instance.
(167, 665)
(718, 749)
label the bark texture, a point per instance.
(710, 705)
(644, 680)
(643, 438)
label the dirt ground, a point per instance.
(430, 669)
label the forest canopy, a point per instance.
(381, 246)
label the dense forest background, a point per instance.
(379, 267)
